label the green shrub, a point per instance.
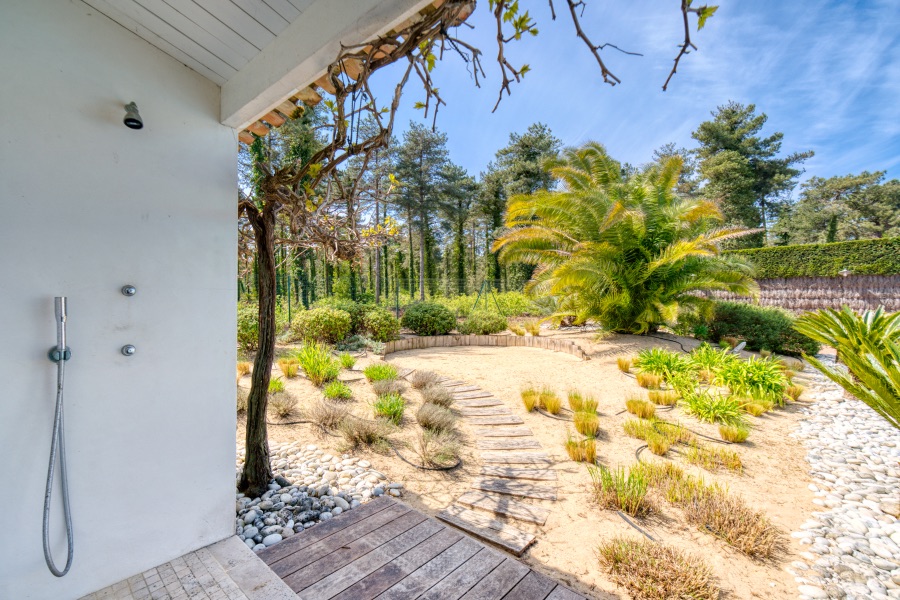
(356, 310)
(510, 303)
(756, 378)
(761, 327)
(705, 357)
(664, 363)
(337, 390)
(428, 318)
(321, 325)
(862, 257)
(380, 371)
(482, 323)
(714, 408)
(247, 327)
(381, 325)
(347, 360)
(316, 361)
(390, 407)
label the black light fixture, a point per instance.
(133, 118)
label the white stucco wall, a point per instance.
(86, 206)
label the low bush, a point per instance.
(712, 407)
(422, 379)
(356, 310)
(550, 402)
(438, 418)
(531, 398)
(510, 304)
(755, 378)
(327, 415)
(388, 386)
(316, 361)
(437, 394)
(640, 408)
(348, 361)
(438, 448)
(381, 325)
(482, 323)
(328, 325)
(662, 362)
(276, 385)
(380, 371)
(242, 396)
(654, 571)
(243, 368)
(428, 318)
(578, 402)
(390, 407)
(735, 434)
(649, 381)
(363, 432)
(586, 423)
(282, 404)
(248, 327)
(624, 364)
(289, 367)
(760, 327)
(582, 450)
(621, 489)
(337, 390)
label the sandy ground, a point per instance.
(775, 478)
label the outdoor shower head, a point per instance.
(133, 118)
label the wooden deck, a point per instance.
(386, 550)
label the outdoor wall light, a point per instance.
(133, 118)
(845, 272)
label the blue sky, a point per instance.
(827, 74)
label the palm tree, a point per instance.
(623, 250)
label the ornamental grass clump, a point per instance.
(242, 397)
(550, 402)
(711, 407)
(649, 381)
(640, 408)
(437, 418)
(624, 364)
(437, 448)
(387, 386)
(754, 378)
(517, 329)
(532, 326)
(390, 407)
(337, 390)
(660, 473)
(621, 489)
(363, 432)
(243, 368)
(755, 408)
(713, 458)
(708, 359)
(794, 391)
(316, 361)
(282, 404)
(276, 386)
(422, 379)
(437, 394)
(326, 415)
(531, 398)
(658, 443)
(586, 423)
(735, 434)
(581, 450)
(289, 367)
(653, 571)
(663, 397)
(638, 428)
(348, 361)
(380, 372)
(578, 402)
(664, 363)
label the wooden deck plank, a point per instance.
(484, 412)
(339, 580)
(386, 576)
(514, 473)
(479, 402)
(510, 444)
(452, 383)
(316, 534)
(501, 420)
(433, 571)
(514, 458)
(505, 536)
(563, 593)
(466, 388)
(532, 587)
(317, 565)
(503, 432)
(463, 578)
(471, 395)
(512, 487)
(505, 506)
(499, 582)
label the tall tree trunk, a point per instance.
(313, 279)
(257, 471)
(422, 263)
(377, 274)
(412, 266)
(329, 277)
(460, 251)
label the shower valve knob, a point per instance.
(129, 290)
(56, 356)
(128, 350)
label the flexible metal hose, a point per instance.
(58, 447)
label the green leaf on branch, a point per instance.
(705, 13)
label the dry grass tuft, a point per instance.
(578, 402)
(289, 367)
(660, 473)
(648, 380)
(705, 376)
(584, 450)
(624, 364)
(242, 396)
(437, 394)
(713, 458)
(638, 428)
(531, 398)
(755, 408)
(734, 433)
(794, 391)
(654, 571)
(517, 329)
(550, 401)
(434, 417)
(586, 423)
(663, 397)
(640, 408)
(282, 404)
(437, 448)
(383, 387)
(792, 364)
(422, 379)
(658, 444)
(532, 326)
(326, 414)
(243, 368)
(362, 432)
(621, 489)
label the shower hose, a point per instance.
(58, 447)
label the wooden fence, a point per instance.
(799, 294)
(499, 341)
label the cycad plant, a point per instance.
(623, 250)
(869, 344)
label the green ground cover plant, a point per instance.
(337, 390)
(380, 371)
(316, 361)
(390, 407)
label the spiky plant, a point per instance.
(794, 392)
(282, 404)
(756, 378)
(581, 450)
(663, 397)
(243, 368)
(390, 407)
(622, 489)
(624, 364)
(532, 326)
(638, 428)
(712, 407)
(517, 329)
(622, 249)
(437, 447)
(318, 364)
(289, 367)
(276, 385)
(658, 443)
(662, 362)
(869, 344)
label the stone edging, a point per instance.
(500, 341)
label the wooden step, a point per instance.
(485, 412)
(514, 473)
(466, 388)
(508, 444)
(479, 402)
(501, 420)
(472, 395)
(516, 458)
(506, 506)
(503, 432)
(511, 487)
(505, 536)
(451, 382)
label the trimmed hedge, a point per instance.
(762, 328)
(428, 318)
(861, 257)
(482, 323)
(321, 325)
